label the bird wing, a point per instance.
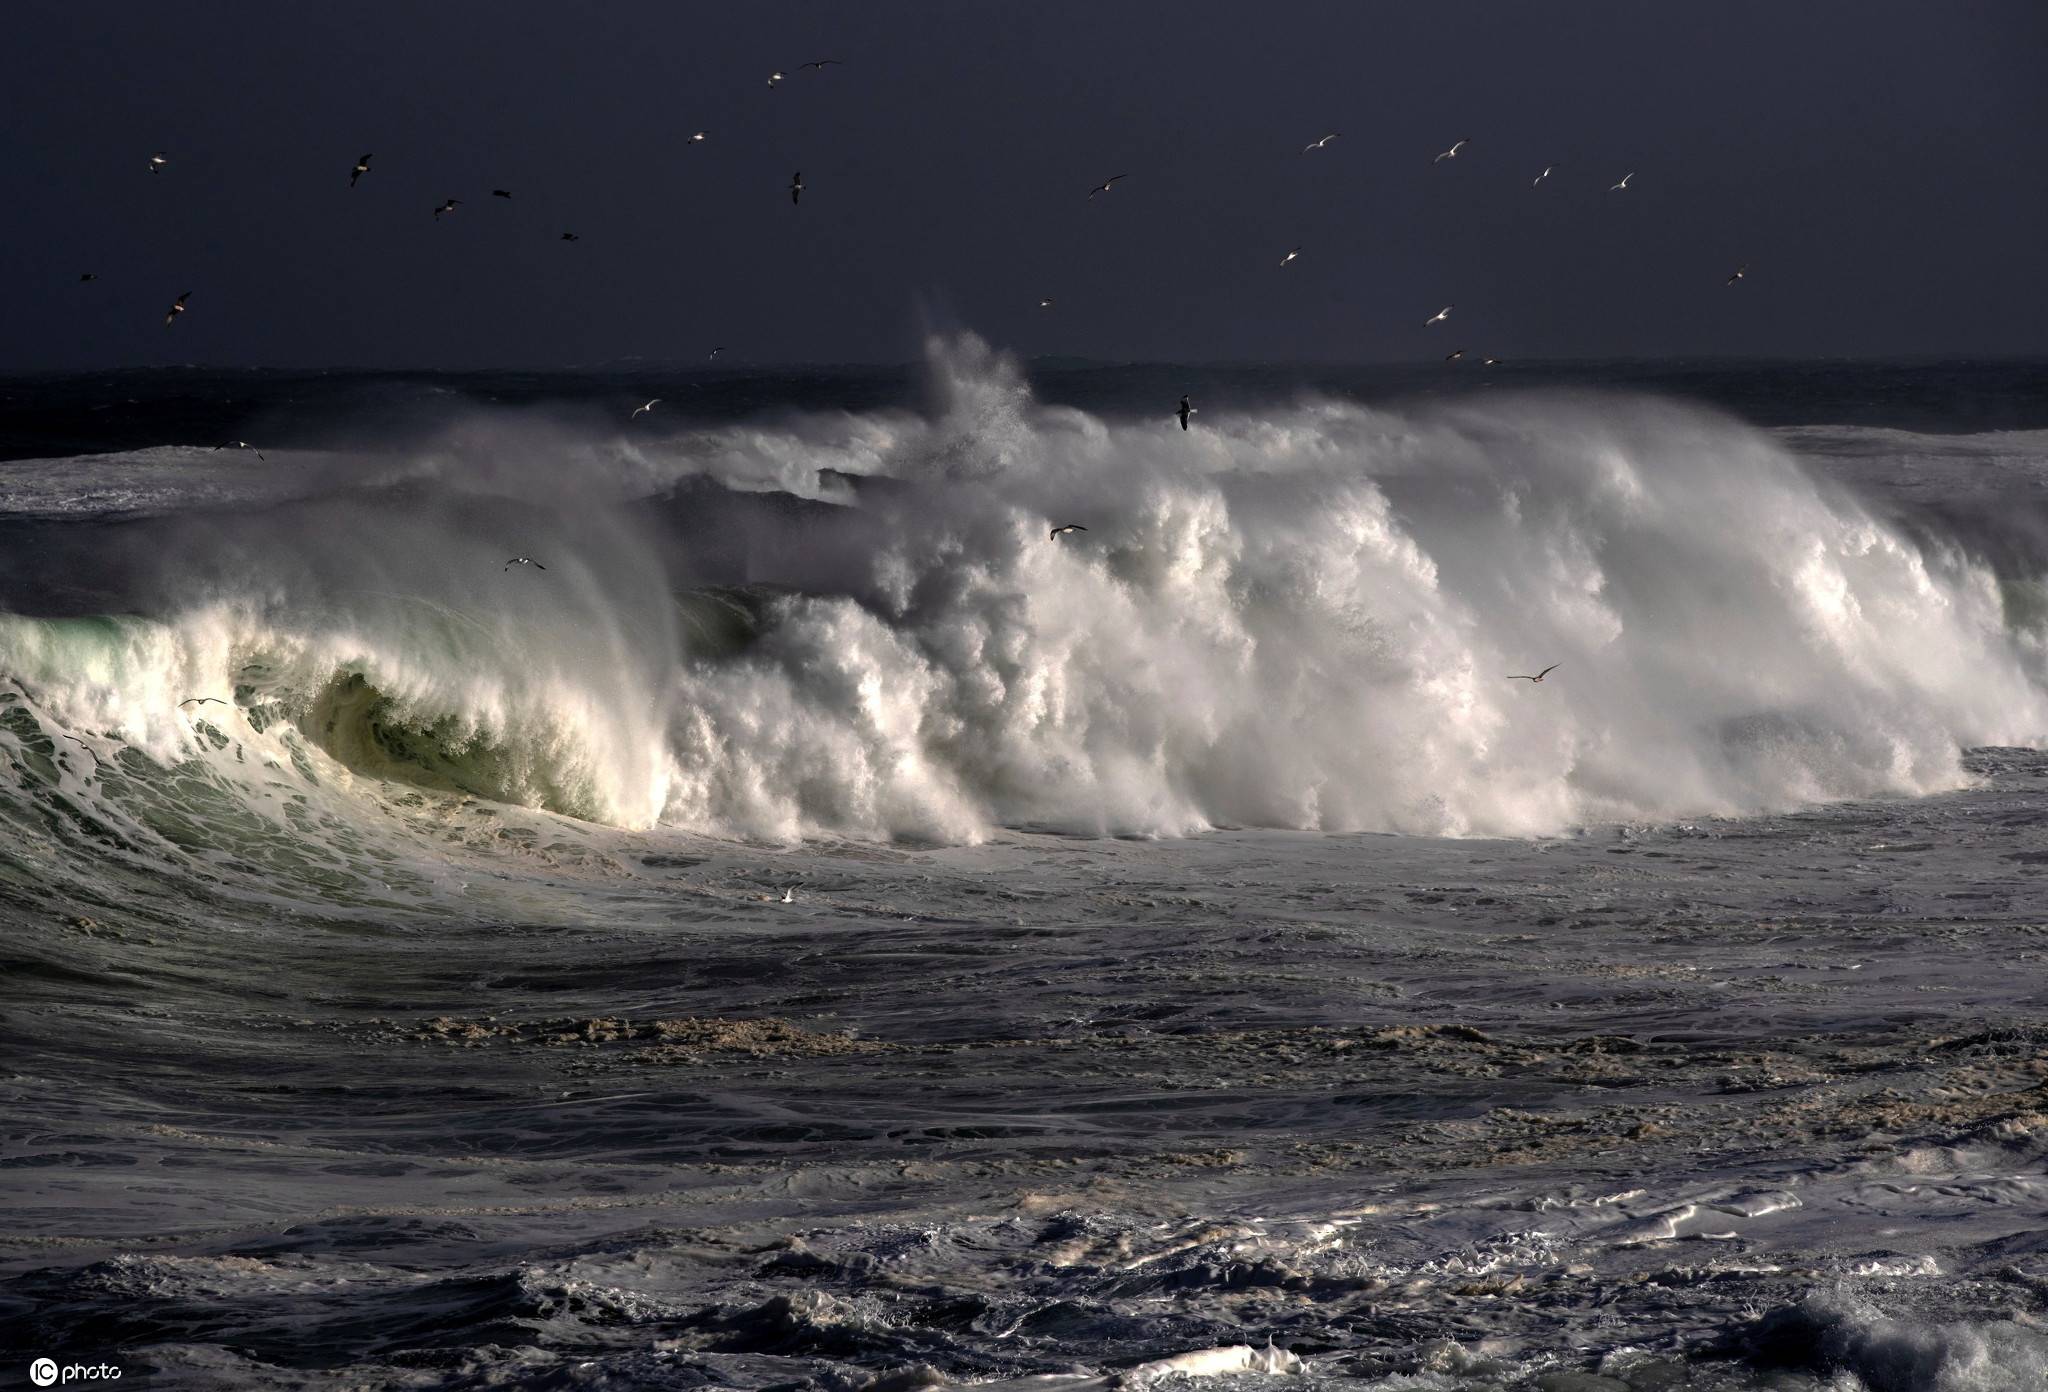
(1548, 670)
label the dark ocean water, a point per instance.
(44, 416)
(823, 934)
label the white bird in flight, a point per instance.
(1617, 188)
(1541, 177)
(1045, 303)
(240, 444)
(1103, 187)
(789, 896)
(774, 78)
(158, 161)
(1740, 272)
(697, 137)
(1064, 528)
(1318, 144)
(1290, 256)
(524, 560)
(643, 410)
(1451, 153)
(1439, 316)
(1517, 676)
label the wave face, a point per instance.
(856, 625)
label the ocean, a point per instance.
(814, 929)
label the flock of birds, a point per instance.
(1186, 409)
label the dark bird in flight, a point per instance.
(177, 307)
(1064, 528)
(362, 168)
(158, 161)
(496, 193)
(1045, 303)
(450, 206)
(1538, 677)
(1439, 316)
(1541, 177)
(239, 444)
(716, 351)
(1187, 408)
(571, 237)
(1454, 356)
(796, 187)
(1740, 272)
(524, 560)
(1290, 256)
(1451, 153)
(1617, 188)
(87, 276)
(200, 701)
(1103, 187)
(1318, 144)
(822, 63)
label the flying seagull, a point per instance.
(362, 168)
(1318, 144)
(1045, 303)
(177, 307)
(1451, 153)
(200, 701)
(697, 137)
(716, 351)
(87, 276)
(1439, 316)
(1740, 272)
(643, 410)
(1538, 677)
(571, 237)
(524, 560)
(1290, 256)
(789, 895)
(1617, 188)
(239, 444)
(796, 187)
(496, 193)
(1064, 528)
(774, 78)
(158, 161)
(1186, 409)
(1489, 362)
(1541, 177)
(1103, 187)
(822, 63)
(1454, 355)
(450, 206)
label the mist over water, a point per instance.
(855, 624)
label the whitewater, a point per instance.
(823, 931)
(1301, 619)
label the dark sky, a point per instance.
(1879, 163)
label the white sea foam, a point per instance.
(1300, 617)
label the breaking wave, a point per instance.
(856, 625)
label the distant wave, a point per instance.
(839, 624)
